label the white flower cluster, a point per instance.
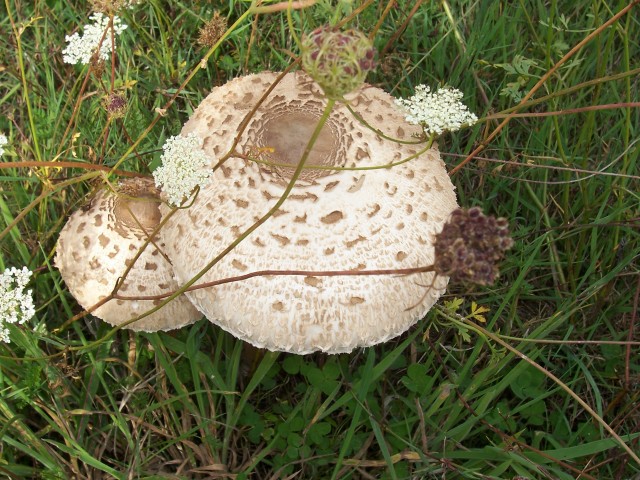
(81, 48)
(3, 142)
(184, 167)
(16, 305)
(437, 112)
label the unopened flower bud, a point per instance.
(111, 7)
(115, 105)
(338, 61)
(212, 31)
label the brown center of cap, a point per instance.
(136, 212)
(287, 135)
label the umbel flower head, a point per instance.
(470, 245)
(95, 40)
(337, 61)
(16, 305)
(3, 142)
(184, 167)
(437, 112)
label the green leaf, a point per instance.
(291, 364)
(453, 305)
(529, 384)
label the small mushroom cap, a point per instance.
(333, 219)
(101, 239)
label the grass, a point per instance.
(454, 397)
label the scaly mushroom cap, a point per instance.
(333, 220)
(101, 239)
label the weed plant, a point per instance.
(536, 376)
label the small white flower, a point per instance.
(437, 112)
(16, 305)
(3, 142)
(184, 167)
(81, 48)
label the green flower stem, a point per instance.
(378, 132)
(339, 169)
(496, 338)
(17, 32)
(273, 209)
(48, 191)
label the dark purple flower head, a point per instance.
(470, 246)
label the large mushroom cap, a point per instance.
(333, 219)
(101, 239)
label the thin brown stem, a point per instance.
(400, 30)
(67, 164)
(569, 111)
(380, 21)
(496, 338)
(282, 6)
(305, 273)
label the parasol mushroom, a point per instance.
(101, 239)
(333, 219)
